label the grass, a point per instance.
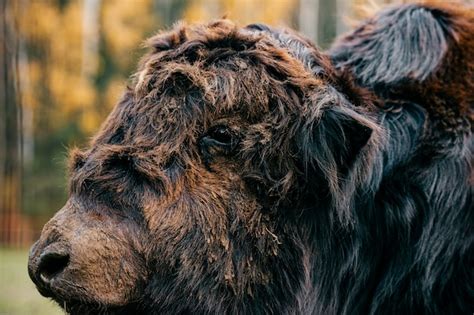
(18, 295)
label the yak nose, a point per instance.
(52, 264)
(44, 265)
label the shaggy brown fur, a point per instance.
(246, 172)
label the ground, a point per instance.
(18, 295)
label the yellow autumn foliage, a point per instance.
(124, 24)
(274, 12)
(72, 83)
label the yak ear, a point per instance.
(332, 139)
(407, 43)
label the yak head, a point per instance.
(196, 193)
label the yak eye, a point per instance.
(218, 140)
(221, 134)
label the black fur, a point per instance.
(409, 244)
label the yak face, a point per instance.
(189, 198)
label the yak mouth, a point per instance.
(87, 305)
(78, 307)
(72, 303)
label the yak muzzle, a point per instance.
(46, 265)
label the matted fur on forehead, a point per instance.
(208, 56)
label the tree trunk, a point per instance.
(10, 129)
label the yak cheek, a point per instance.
(204, 227)
(198, 203)
(105, 264)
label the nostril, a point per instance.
(51, 264)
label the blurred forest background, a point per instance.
(63, 66)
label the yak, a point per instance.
(246, 171)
